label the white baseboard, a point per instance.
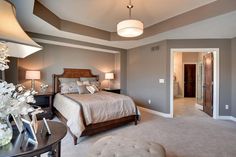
(233, 118)
(166, 115)
(199, 107)
(227, 118)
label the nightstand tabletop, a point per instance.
(44, 94)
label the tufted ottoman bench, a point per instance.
(115, 146)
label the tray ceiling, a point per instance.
(105, 14)
(220, 26)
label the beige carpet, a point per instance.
(193, 135)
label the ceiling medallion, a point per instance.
(130, 27)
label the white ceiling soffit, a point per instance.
(95, 13)
(223, 26)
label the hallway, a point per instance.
(185, 107)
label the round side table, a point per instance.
(46, 143)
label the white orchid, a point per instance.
(3, 56)
(15, 99)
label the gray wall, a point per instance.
(53, 58)
(145, 67)
(233, 57)
(11, 74)
(123, 71)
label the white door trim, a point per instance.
(216, 88)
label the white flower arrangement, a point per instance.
(3, 57)
(15, 99)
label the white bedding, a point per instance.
(99, 107)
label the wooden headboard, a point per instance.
(70, 73)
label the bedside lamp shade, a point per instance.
(109, 76)
(32, 75)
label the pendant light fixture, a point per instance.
(130, 27)
(13, 40)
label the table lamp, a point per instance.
(109, 76)
(32, 75)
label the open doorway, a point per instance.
(194, 82)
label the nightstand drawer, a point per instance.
(42, 101)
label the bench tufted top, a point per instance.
(116, 146)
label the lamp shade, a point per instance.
(130, 28)
(32, 75)
(18, 42)
(109, 76)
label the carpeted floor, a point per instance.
(191, 135)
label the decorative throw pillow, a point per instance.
(82, 89)
(95, 87)
(96, 83)
(91, 89)
(69, 87)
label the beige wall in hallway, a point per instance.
(181, 58)
(178, 71)
(190, 57)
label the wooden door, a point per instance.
(208, 84)
(189, 80)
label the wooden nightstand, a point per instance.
(45, 101)
(112, 90)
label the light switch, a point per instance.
(161, 80)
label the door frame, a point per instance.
(216, 89)
(195, 78)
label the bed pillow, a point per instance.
(87, 83)
(69, 87)
(79, 83)
(90, 79)
(67, 80)
(82, 89)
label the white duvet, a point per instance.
(99, 107)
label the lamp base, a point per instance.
(33, 84)
(109, 85)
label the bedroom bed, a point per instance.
(88, 114)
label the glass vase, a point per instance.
(6, 132)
